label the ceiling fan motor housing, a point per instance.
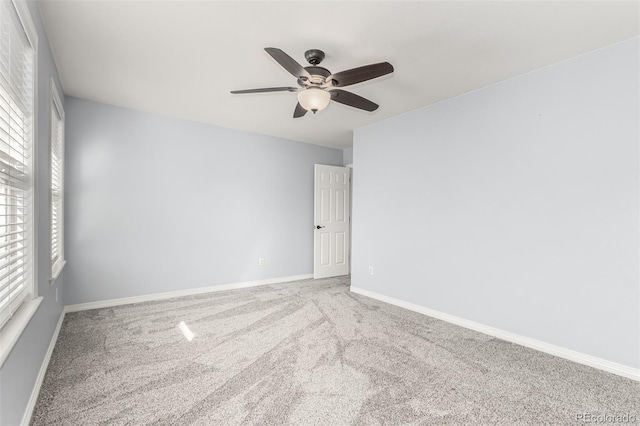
(318, 75)
(314, 56)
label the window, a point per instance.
(17, 100)
(57, 184)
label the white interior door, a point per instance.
(331, 229)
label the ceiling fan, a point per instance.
(318, 85)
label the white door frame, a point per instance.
(332, 221)
(350, 167)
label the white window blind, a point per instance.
(57, 183)
(17, 57)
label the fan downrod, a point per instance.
(314, 56)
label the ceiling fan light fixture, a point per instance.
(314, 99)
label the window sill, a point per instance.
(56, 272)
(11, 331)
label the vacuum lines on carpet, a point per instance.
(306, 353)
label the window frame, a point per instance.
(56, 107)
(11, 331)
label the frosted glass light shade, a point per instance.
(314, 99)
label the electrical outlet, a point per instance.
(261, 261)
(56, 294)
(370, 270)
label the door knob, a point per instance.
(318, 226)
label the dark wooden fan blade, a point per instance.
(357, 75)
(299, 111)
(266, 89)
(352, 100)
(288, 63)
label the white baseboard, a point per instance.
(26, 418)
(189, 292)
(579, 357)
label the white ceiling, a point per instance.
(181, 58)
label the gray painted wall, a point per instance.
(347, 156)
(18, 373)
(156, 204)
(515, 206)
